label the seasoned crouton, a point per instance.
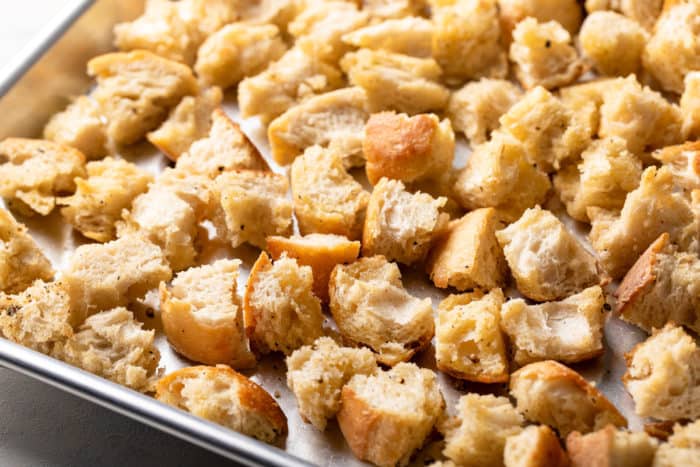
(33, 172)
(535, 446)
(411, 35)
(682, 448)
(203, 317)
(644, 12)
(469, 344)
(684, 162)
(546, 260)
(79, 126)
(387, 416)
(317, 373)
(690, 106)
(281, 311)
(371, 307)
(277, 12)
(385, 9)
(226, 397)
(570, 330)
(565, 12)
(610, 447)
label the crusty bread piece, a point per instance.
(535, 446)
(327, 199)
(224, 396)
(682, 448)
(320, 251)
(317, 373)
(546, 260)
(396, 81)
(112, 344)
(585, 100)
(79, 126)
(136, 90)
(103, 276)
(189, 121)
(38, 317)
(203, 316)
(467, 255)
(684, 162)
(475, 108)
(334, 120)
(544, 55)
(610, 447)
(645, 12)
(410, 35)
(570, 330)
(384, 9)
(21, 260)
(236, 51)
(468, 340)
(690, 106)
(385, 417)
(371, 307)
(565, 12)
(401, 225)
(295, 76)
(476, 435)
(410, 149)
(663, 375)
(33, 172)
(550, 393)
(281, 311)
(277, 12)
(110, 187)
(499, 175)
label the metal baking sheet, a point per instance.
(61, 53)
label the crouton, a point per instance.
(224, 396)
(34, 172)
(477, 435)
(320, 251)
(203, 317)
(411, 35)
(79, 126)
(553, 394)
(371, 307)
(468, 340)
(467, 255)
(317, 373)
(281, 311)
(475, 108)
(21, 260)
(111, 344)
(110, 187)
(136, 90)
(535, 446)
(570, 330)
(682, 448)
(566, 12)
(684, 162)
(387, 416)
(386, 9)
(400, 225)
(546, 260)
(690, 106)
(405, 148)
(610, 447)
(277, 12)
(644, 12)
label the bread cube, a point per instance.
(411, 35)
(317, 373)
(546, 260)
(644, 12)
(682, 448)
(387, 416)
(535, 446)
(79, 126)
(690, 106)
(277, 12)
(371, 307)
(34, 172)
(386, 9)
(683, 160)
(609, 447)
(565, 12)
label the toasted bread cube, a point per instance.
(690, 106)
(645, 12)
(603, 179)
(371, 307)
(535, 446)
(477, 434)
(405, 148)
(565, 12)
(252, 206)
(396, 81)
(224, 396)
(411, 35)
(136, 90)
(21, 260)
(476, 108)
(610, 447)
(103, 276)
(79, 126)
(286, 82)
(546, 260)
(682, 448)
(203, 316)
(386, 9)
(317, 373)
(684, 162)
(320, 251)
(33, 172)
(570, 330)
(281, 311)
(469, 344)
(467, 255)
(277, 12)
(110, 187)
(385, 417)
(334, 120)
(189, 121)
(663, 375)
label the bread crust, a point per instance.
(542, 451)
(640, 276)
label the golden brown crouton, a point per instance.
(645, 12)
(411, 35)
(683, 160)
(79, 126)
(690, 106)
(611, 447)
(535, 446)
(277, 12)
(565, 12)
(682, 448)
